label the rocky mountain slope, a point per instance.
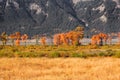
(53, 16)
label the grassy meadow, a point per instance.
(60, 69)
(35, 62)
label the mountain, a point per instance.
(54, 16)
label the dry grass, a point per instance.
(59, 69)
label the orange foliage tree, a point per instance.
(103, 37)
(78, 35)
(17, 42)
(94, 40)
(60, 39)
(118, 37)
(69, 36)
(63, 39)
(18, 36)
(43, 40)
(75, 35)
(99, 39)
(72, 37)
(56, 39)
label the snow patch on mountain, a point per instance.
(76, 1)
(47, 3)
(101, 8)
(103, 18)
(70, 18)
(7, 3)
(34, 6)
(16, 4)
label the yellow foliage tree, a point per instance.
(3, 38)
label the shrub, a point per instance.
(30, 54)
(62, 49)
(64, 54)
(110, 53)
(107, 53)
(1, 47)
(92, 46)
(6, 53)
(105, 47)
(54, 54)
(101, 54)
(92, 55)
(117, 54)
(41, 54)
(81, 55)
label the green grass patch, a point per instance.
(60, 51)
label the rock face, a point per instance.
(53, 16)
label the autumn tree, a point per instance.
(80, 31)
(79, 34)
(43, 41)
(24, 38)
(12, 37)
(17, 42)
(63, 39)
(72, 37)
(56, 39)
(118, 37)
(18, 36)
(76, 35)
(99, 39)
(103, 38)
(3, 38)
(94, 40)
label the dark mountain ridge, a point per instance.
(54, 16)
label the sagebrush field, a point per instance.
(60, 51)
(59, 69)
